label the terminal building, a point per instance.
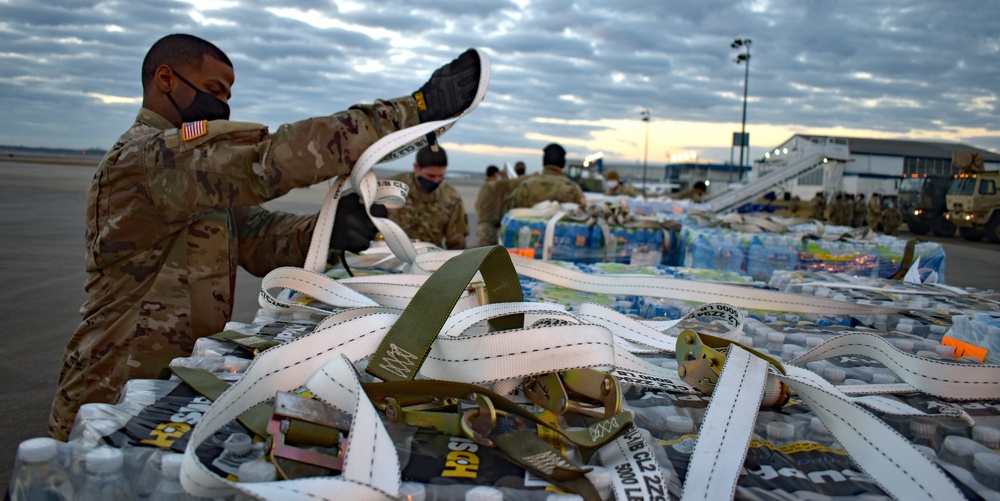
(872, 165)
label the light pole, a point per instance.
(743, 57)
(645, 155)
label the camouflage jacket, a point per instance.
(489, 202)
(622, 190)
(551, 184)
(168, 221)
(434, 217)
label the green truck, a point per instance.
(923, 204)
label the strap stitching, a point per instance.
(525, 352)
(863, 437)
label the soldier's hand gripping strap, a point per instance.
(353, 229)
(450, 89)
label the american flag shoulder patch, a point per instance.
(194, 130)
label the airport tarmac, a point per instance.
(42, 209)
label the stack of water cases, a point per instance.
(761, 254)
(129, 448)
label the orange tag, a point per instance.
(581, 241)
(528, 253)
(963, 349)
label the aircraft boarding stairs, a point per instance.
(811, 155)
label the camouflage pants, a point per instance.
(488, 234)
(98, 362)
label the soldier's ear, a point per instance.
(416, 167)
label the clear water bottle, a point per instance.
(602, 480)
(986, 435)
(986, 469)
(38, 474)
(264, 471)
(411, 491)
(143, 467)
(169, 488)
(924, 432)
(819, 433)
(77, 468)
(483, 493)
(105, 480)
(959, 451)
(780, 433)
(678, 426)
(524, 237)
(835, 375)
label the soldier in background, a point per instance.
(891, 218)
(818, 206)
(614, 186)
(860, 211)
(848, 209)
(836, 212)
(174, 208)
(874, 211)
(433, 211)
(551, 184)
(695, 193)
(519, 168)
(489, 206)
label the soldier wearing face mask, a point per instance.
(175, 208)
(433, 211)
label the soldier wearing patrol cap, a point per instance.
(174, 208)
(433, 211)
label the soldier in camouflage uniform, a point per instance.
(874, 211)
(433, 211)
(860, 211)
(818, 206)
(174, 208)
(835, 210)
(552, 184)
(614, 186)
(891, 219)
(489, 206)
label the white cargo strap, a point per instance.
(942, 379)
(354, 333)
(663, 287)
(726, 428)
(884, 455)
(550, 234)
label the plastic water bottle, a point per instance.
(819, 433)
(38, 474)
(986, 469)
(602, 480)
(483, 493)
(960, 450)
(105, 481)
(924, 433)
(524, 237)
(169, 488)
(986, 435)
(149, 465)
(678, 426)
(264, 471)
(780, 433)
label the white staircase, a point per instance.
(813, 155)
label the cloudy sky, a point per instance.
(573, 71)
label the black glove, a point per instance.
(451, 88)
(353, 230)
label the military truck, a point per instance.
(587, 175)
(973, 201)
(922, 202)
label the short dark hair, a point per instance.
(554, 154)
(493, 169)
(179, 49)
(427, 157)
(700, 185)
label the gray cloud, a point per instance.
(888, 65)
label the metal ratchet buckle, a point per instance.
(589, 392)
(300, 422)
(700, 358)
(449, 415)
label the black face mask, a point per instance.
(427, 185)
(204, 106)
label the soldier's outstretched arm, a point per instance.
(240, 164)
(271, 239)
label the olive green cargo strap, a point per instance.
(255, 419)
(253, 344)
(406, 345)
